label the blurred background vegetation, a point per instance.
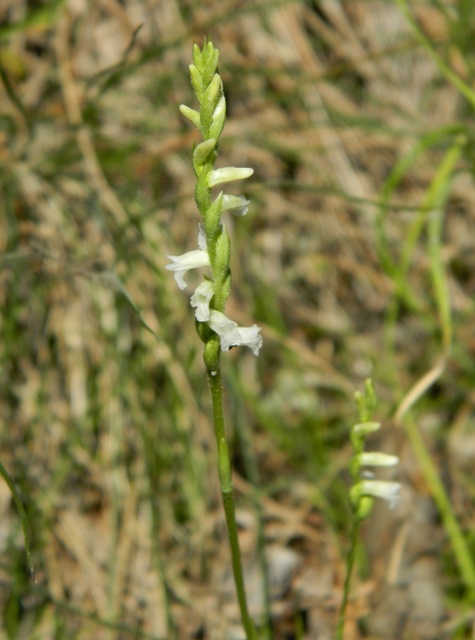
(357, 259)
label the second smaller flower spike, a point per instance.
(231, 335)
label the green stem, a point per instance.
(252, 472)
(350, 561)
(227, 494)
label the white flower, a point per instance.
(201, 299)
(365, 428)
(228, 174)
(190, 260)
(231, 335)
(376, 489)
(377, 459)
(250, 337)
(238, 205)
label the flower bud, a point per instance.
(376, 459)
(228, 174)
(219, 116)
(192, 115)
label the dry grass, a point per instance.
(106, 430)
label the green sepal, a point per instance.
(212, 216)
(197, 82)
(367, 401)
(197, 57)
(207, 50)
(203, 330)
(223, 250)
(211, 351)
(225, 288)
(219, 117)
(220, 266)
(201, 153)
(208, 104)
(202, 193)
(192, 115)
(210, 64)
(364, 508)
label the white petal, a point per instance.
(201, 299)
(228, 174)
(251, 337)
(190, 260)
(231, 335)
(380, 489)
(202, 238)
(225, 328)
(376, 459)
(238, 205)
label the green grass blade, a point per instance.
(22, 513)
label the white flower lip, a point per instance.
(231, 335)
(238, 205)
(201, 299)
(190, 260)
(379, 489)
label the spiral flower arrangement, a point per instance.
(209, 299)
(217, 331)
(366, 488)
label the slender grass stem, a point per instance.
(460, 548)
(23, 518)
(227, 494)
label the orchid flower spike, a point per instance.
(365, 487)
(214, 251)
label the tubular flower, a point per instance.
(190, 260)
(231, 335)
(375, 489)
(376, 459)
(238, 205)
(201, 299)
